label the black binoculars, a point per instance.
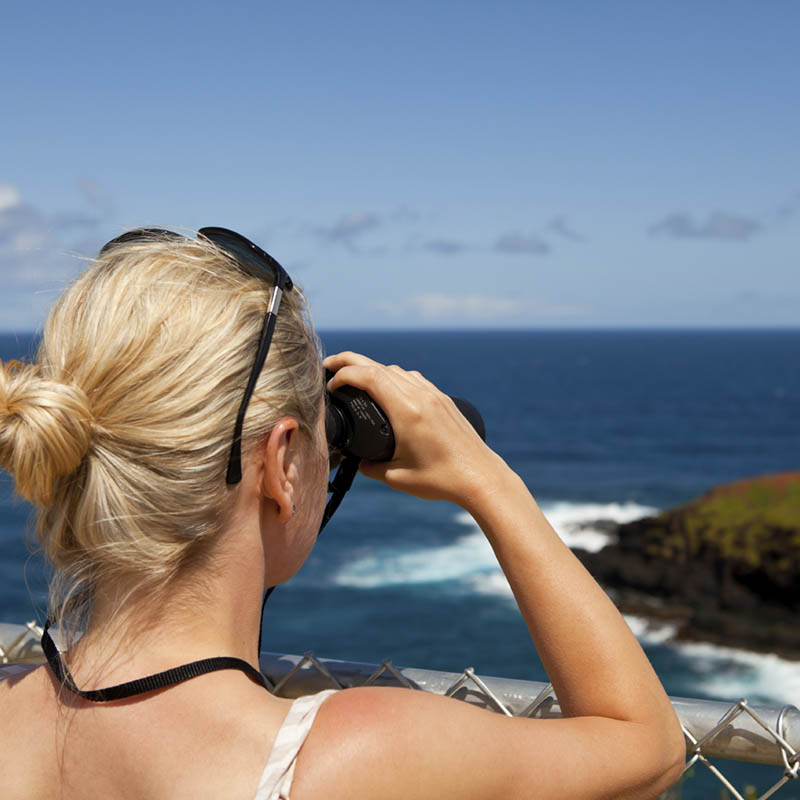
(356, 426)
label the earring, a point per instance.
(294, 508)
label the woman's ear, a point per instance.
(279, 466)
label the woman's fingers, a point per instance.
(383, 384)
(345, 359)
(372, 378)
(338, 361)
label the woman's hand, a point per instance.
(438, 455)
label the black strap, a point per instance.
(339, 487)
(261, 618)
(160, 680)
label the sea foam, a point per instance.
(457, 561)
(470, 558)
(468, 564)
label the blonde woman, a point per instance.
(171, 436)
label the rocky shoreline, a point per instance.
(724, 568)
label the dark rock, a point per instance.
(727, 564)
(603, 525)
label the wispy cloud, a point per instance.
(789, 209)
(403, 214)
(28, 239)
(9, 197)
(560, 227)
(96, 196)
(518, 243)
(349, 228)
(445, 247)
(474, 307)
(34, 254)
(719, 225)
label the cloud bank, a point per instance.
(34, 247)
(520, 244)
(719, 225)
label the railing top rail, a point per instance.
(758, 733)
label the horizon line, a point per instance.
(521, 329)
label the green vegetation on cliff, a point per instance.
(726, 565)
(754, 524)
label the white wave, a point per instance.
(470, 558)
(713, 670)
(466, 556)
(469, 563)
(491, 582)
(576, 523)
(725, 672)
(573, 522)
(649, 631)
(730, 673)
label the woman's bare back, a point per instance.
(209, 737)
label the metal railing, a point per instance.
(734, 731)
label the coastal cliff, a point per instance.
(725, 567)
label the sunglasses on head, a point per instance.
(256, 262)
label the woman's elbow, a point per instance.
(672, 752)
(678, 763)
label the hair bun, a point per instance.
(45, 429)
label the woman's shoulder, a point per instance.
(379, 741)
(26, 724)
(20, 685)
(23, 693)
(399, 743)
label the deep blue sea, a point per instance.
(601, 425)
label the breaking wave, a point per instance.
(468, 564)
(470, 558)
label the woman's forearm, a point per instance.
(593, 660)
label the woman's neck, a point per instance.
(134, 633)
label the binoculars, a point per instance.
(356, 426)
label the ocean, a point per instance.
(602, 425)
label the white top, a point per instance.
(276, 779)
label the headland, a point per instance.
(723, 568)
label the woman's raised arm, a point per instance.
(620, 737)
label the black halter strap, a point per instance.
(160, 680)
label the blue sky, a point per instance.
(436, 164)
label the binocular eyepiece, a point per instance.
(356, 426)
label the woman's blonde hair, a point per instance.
(119, 432)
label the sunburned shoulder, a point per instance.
(400, 743)
(386, 742)
(387, 712)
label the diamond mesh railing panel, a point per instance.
(732, 731)
(713, 730)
